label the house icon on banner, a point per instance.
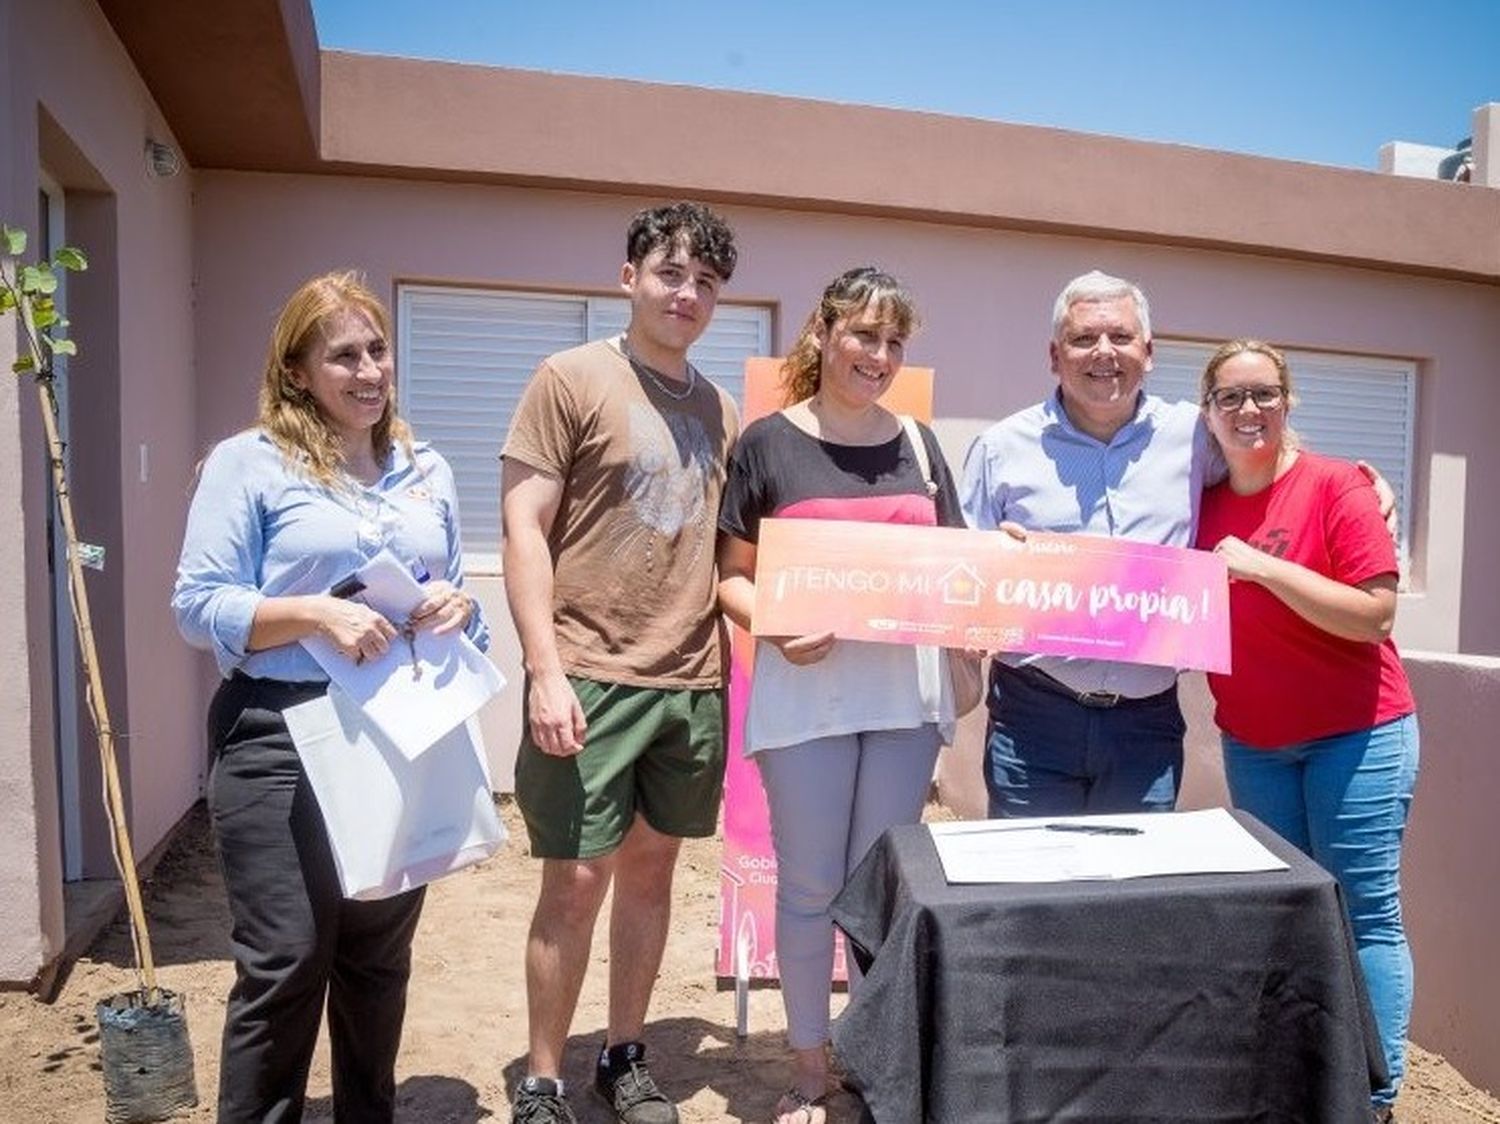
(961, 585)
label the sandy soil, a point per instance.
(466, 1026)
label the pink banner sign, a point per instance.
(1061, 595)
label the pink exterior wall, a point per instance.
(137, 365)
(1451, 873)
(31, 934)
(525, 127)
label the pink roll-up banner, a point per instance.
(747, 872)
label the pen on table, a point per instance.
(990, 827)
(1092, 828)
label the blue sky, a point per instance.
(1327, 81)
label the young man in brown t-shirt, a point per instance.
(610, 487)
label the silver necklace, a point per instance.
(658, 380)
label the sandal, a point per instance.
(796, 1107)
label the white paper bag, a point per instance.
(394, 822)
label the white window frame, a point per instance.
(738, 330)
(1355, 407)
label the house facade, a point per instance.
(488, 206)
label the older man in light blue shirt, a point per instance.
(1099, 457)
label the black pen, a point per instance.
(351, 586)
(1001, 827)
(1093, 828)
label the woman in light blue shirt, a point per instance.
(326, 478)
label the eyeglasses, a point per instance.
(1231, 398)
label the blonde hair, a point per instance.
(288, 412)
(849, 293)
(1243, 346)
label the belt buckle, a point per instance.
(1099, 700)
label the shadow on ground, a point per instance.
(428, 1098)
(692, 1059)
(186, 911)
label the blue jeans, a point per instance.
(1047, 755)
(1343, 800)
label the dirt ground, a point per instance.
(466, 1024)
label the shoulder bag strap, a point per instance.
(919, 450)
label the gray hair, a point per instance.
(1099, 286)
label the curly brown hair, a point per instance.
(848, 294)
(288, 412)
(701, 231)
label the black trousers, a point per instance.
(296, 939)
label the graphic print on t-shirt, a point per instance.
(1273, 541)
(672, 462)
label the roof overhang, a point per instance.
(237, 82)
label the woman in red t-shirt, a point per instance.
(1319, 727)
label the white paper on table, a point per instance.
(413, 710)
(1210, 841)
(394, 823)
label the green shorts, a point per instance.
(651, 750)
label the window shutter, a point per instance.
(465, 356)
(1355, 407)
(608, 316)
(736, 332)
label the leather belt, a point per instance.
(1094, 700)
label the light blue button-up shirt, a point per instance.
(257, 529)
(1038, 469)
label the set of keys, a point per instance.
(350, 588)
(408, 631)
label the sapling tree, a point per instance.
(29, 292)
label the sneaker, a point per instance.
(623, 1080)
(539, 1100)
(1384, 1114)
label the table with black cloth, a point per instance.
(1224, 997)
